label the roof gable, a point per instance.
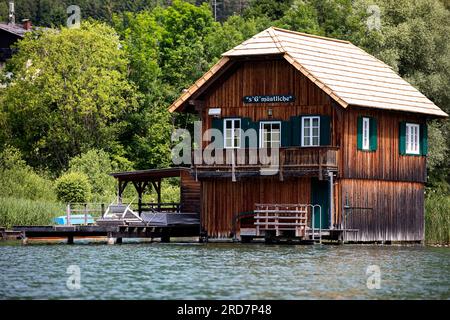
(348, 74)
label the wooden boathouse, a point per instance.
(351, 135)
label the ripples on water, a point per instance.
(223, 271)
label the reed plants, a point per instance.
(19, 211)
(437, 219)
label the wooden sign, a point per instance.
(269, 99)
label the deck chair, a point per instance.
(121, 212)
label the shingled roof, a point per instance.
(15, 29)
(351, 76)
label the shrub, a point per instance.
(73, 187)
(98, 165)
(20, 181)
(15, 211)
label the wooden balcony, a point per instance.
(294, 161)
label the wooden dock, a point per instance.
(115, 234)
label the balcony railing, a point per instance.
(294, 161)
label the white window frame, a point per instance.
(233, 130)
(365, 133)
(261, 133)
(311, 119)
(412, 138)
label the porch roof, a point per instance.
(150, 174)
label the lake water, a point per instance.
(223, 271)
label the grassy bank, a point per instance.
(15, 211)
(437, 219)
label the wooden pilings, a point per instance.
(70, 239)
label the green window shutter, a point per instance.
(285, 133)
(325, 131)
(359, 133)
(246, 124)
(296, 130)
(373, 134)
(217, 123)
(423, 139)
(402, 138)
(255, 126)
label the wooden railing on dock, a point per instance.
(95, 210)
(279, 218)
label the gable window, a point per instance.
(232, 134)
(270, 134)
(412, 138)
(366, 134)
(311, 131)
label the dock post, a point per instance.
(331, 195)
(68, 222)
(70, 239)
(165, 236)
(111, 239)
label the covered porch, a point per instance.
(147, 180)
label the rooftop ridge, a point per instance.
(309, 35)
(277, 41)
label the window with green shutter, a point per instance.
(310, 131)
(366, 138)
(413, 139)
(232, 133)
(270, 134)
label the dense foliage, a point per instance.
(107, 86)
(68, 93)
(19, 180)
(73, 187)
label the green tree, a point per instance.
(69, 93)
(73, 187)
(231, 33)
(272, 9)
(97, 165)
(415, 42)
(182, 53)
(167, 52)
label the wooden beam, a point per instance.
(157, 186)
(122, 186)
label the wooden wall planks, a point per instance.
(386, 163)
(268, 77)
(189, 193)
(218, 211)
(398, 210)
